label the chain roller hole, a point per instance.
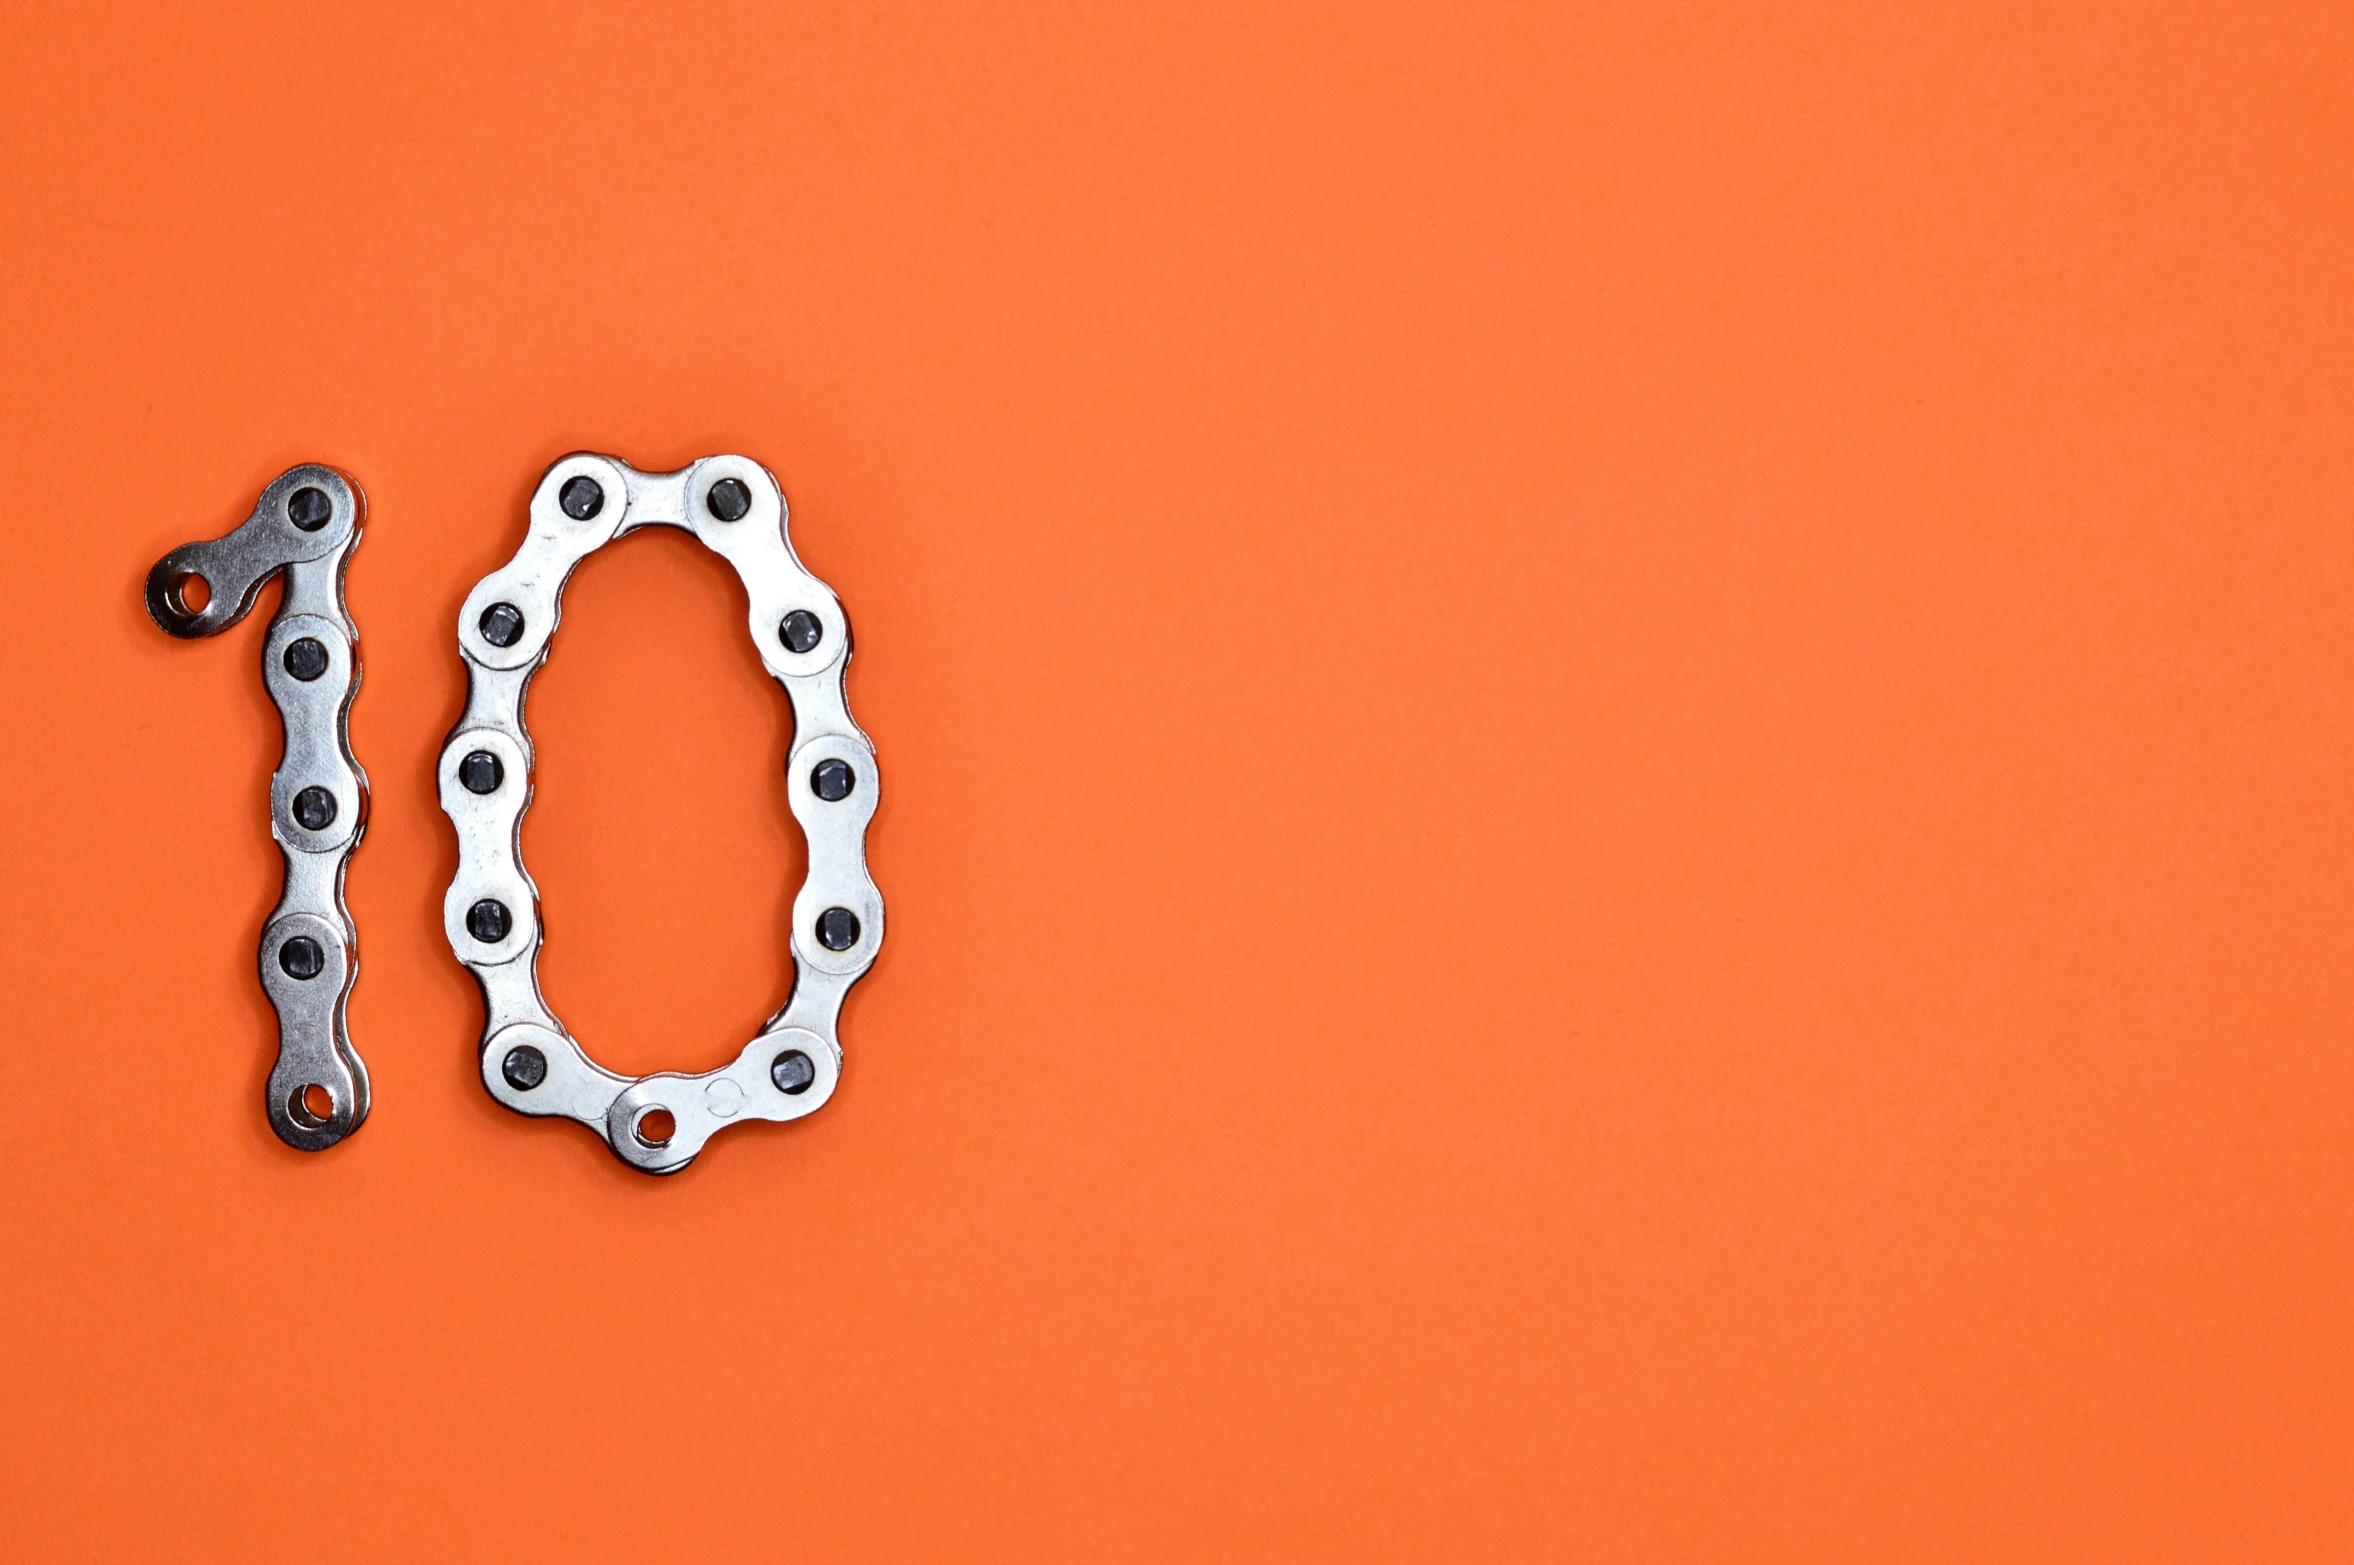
(792, 1071)
(837, 929)
(488, 921)
(728, 500)
(189, 593)
(655, 1127)
(311, 1107)
(832, 780)
(501, 624)
(480, 772)
(800, 631)
(581, 498)
(524, 1067)
(314, 809)
(309, 508)
(306, 658)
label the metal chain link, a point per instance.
(491, 914)
(306, 525)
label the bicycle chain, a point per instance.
(491, 913)
(305, 526)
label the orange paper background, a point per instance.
(1618, 818)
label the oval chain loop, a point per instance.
(492, 915)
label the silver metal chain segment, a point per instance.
(306, 525)
(529, 1062)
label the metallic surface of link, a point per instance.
(492, 916)
(306, 525)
